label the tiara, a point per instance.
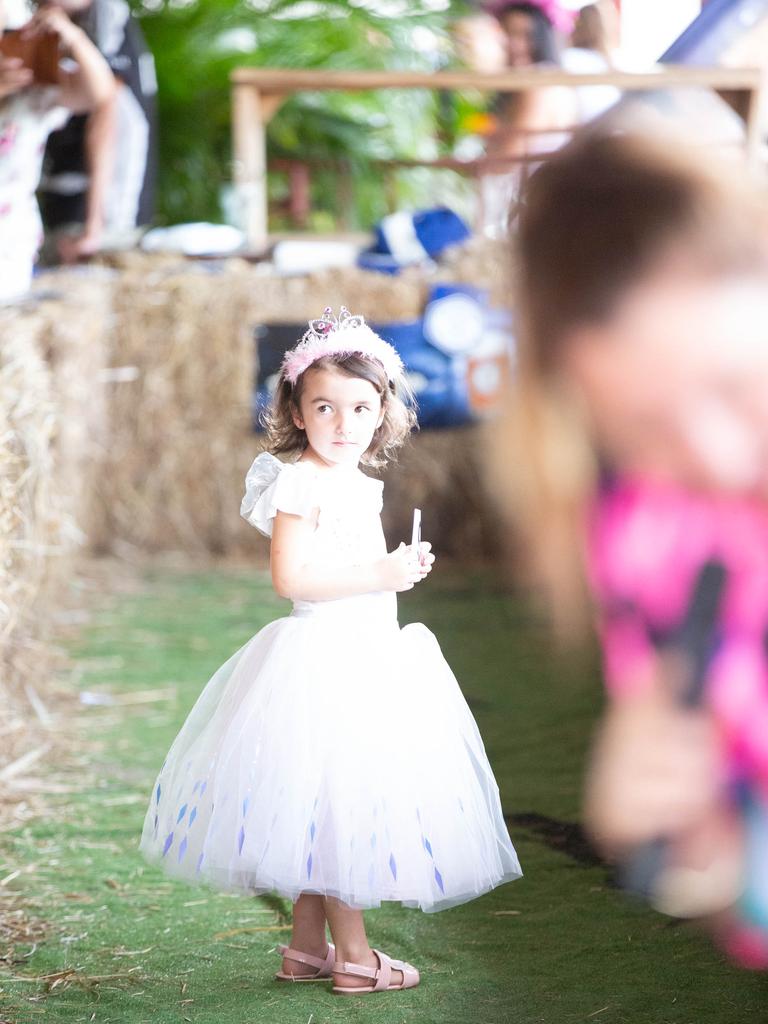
(346, 334)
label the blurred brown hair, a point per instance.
(596, 219)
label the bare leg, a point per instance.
(348, 931)
(308, 935)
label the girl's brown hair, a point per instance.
(283, 436)
(595, 219)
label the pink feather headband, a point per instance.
(345, 335)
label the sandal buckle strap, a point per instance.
(304, 958)
(384, 972)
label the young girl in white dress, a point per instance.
(333, 759)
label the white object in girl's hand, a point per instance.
(416, 532)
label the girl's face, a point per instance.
(676, 383)
(518, 29)
(339, 414)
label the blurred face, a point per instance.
(676, 384)
(339, 415)
(518, 28)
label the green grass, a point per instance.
(558, 946)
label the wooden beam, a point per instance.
(258, 92)
(283, 80)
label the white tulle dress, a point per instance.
(334, 753)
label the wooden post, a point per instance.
(753, 127)
(250, 164)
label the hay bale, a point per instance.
(180, 413)
(36, 533)
(379, 297)
(180, 430)
(482, 262)
(440, 472)
(31, 525)
(73, 338)
(51, 442)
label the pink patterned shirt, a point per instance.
(648, 542)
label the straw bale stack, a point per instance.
(179, 408)
(440, 472)
(483, 262)
(184, 364)
(35, 533)
(73, 337)
(381, 298)
(51, 443)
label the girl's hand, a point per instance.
(426, 558)
(400, 569)
(53, 20)
(654, 772)
(13, 76)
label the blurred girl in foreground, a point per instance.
(640, 444)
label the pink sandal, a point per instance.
(381, 976)
(324, 968)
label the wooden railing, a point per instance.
(257, 94)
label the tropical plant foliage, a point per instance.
(196, 44)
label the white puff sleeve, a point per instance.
(272, 486)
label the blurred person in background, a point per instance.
(527, 35)
(636, 457)
(29, 111)
(99, 169)
(593, 43)
(527, 125)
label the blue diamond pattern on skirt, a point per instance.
(182, 812)
(309, 866)
(393, 866)
(428, 846)
(158, 791)
(439, 880)
(240, 839)
(168, 841)
(192, 815)
(182, 849)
